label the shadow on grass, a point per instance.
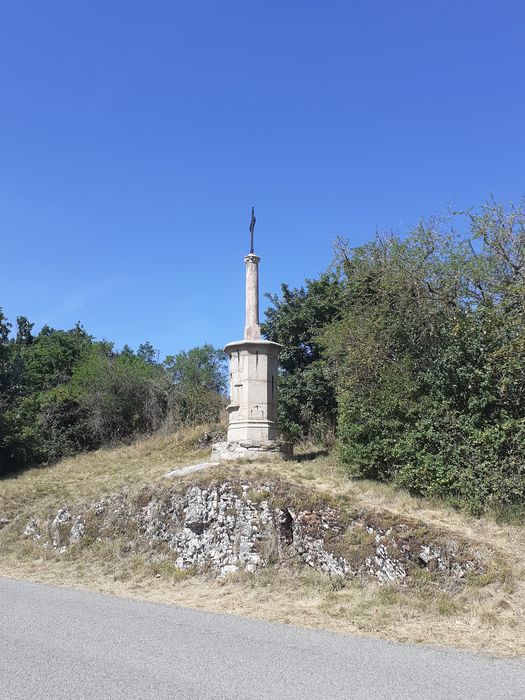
(308, 456)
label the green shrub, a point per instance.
(429, 358)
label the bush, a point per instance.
(429, 357)
(61, 393)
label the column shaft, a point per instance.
(252, 330)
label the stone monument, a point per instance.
(253, 430)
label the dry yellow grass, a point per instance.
(486, 616)
(91, 475)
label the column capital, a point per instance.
(253, 258)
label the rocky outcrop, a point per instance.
(236, 525)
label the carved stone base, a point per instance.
(263, 450)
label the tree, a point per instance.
(62, 392)
(296, 319)
(201, 368)
(147, 352)
(24, 331)
(52, 357)
(5, 382)
(428, 355)
(199, 384)
(5, 357)
(127, 351)
(118, 396)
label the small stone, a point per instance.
(32, 530)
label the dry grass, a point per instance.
(94, 474)
(487, 615)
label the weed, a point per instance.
(388, 595)
(447, 606)
(358, 536)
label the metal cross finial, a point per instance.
(252, 228)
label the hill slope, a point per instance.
(113, 496)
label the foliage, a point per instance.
(120, 395)
(201, 368)
(415, 346)
(200, 382)
(429, 355)
(62, 392)
(307, 396)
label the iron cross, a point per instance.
(252, 228)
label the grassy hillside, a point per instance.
(487, 613)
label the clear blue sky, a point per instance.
(135, 136)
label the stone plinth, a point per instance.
(252, 410)
(253, 430)
(240, 451)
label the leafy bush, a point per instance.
(415, 346)
(62, 392)
(429, 354)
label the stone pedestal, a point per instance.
(253, 430)
(252, 411)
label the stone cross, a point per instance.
(253, 429)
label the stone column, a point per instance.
(252, 330)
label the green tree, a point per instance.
(62, 392)
(52, 357)
(147, 352)
(24, 331)
(40, 369)
(5, 384)
(118, 395)
(199, 384)
(202, 368)
(428, 353)
(297, 319)
(5, 358)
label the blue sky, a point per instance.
(135, 137)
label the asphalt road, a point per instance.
(61, 643)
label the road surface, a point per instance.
(61, 643)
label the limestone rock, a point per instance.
(240, 525)
(78, 530)
(32, 530)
